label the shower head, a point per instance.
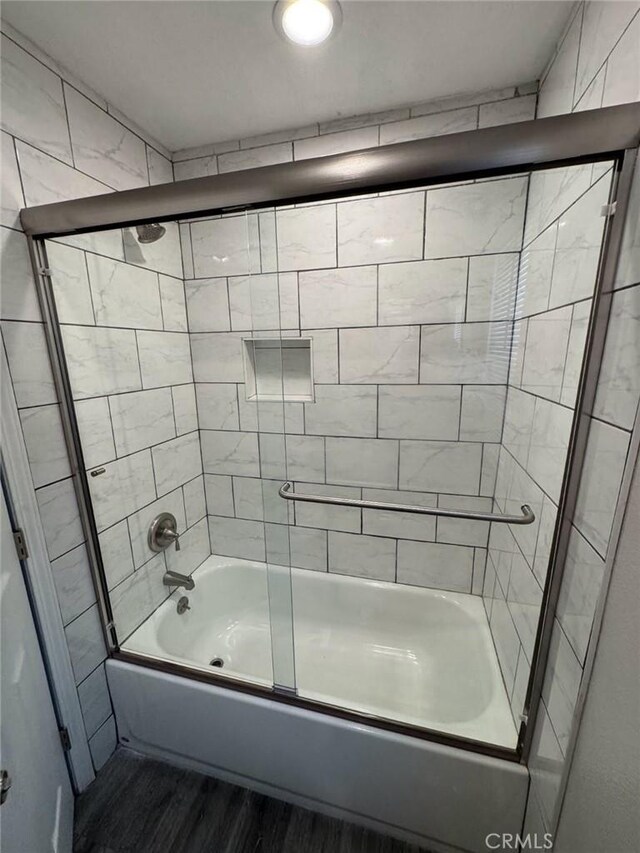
(150, 232)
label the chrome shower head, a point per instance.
(150, 232)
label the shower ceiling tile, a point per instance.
(474, 219)
(381, 230)
(423, 292)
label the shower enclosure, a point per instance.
(356, 386)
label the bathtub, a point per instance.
(402, 653)
(416, 656)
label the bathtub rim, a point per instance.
(290, 697)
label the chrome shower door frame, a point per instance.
(611, 134)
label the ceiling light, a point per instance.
(306, 22)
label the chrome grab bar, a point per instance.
(527, 516)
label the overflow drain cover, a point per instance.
(217, 662)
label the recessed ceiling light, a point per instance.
(307, 22)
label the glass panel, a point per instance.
(419, 347)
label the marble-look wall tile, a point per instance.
(165, 358)
(340, 297)
(275, 137)
(536, 269)
(138, 596)
(602, 25)
(208, 305)
(628, 271)
(347, 519)
(95, 700)
(235, 537)
(482, 414)
(362, 462)
(126, 485)
(557, 91)
(467, 353)
(399, 525)
(552, 191)
(46, 180)
(115, 548)
(74, 586)
(424, 127)
(335, 143)
(70, 283)
(176, 462)
(195, 505)
(545, 766)
(160, 169)
(580, 230)
(305, 459)
(622, 82)
(575, 352)
(381, 230)
(124, 295)
(379, 355)
(199, 167)
(434, 565)
(422, 292)
(19, 297)
(217, 406)
(264, 301)
(254, 158)
(489, 469)
(184, 408)
(46, 448)
(219, 495)
(619, 379)
(60, 518)
(505, 637)
(508, 111)
(33, 106)
(546, 352)
(96, 434)
(475, 219)
(225, 246)
(101, 361)
(11, 197)
(306, 237)
(172, 301)
(518, 423)
(352, 122)
(29, 364)
(463, 531)
(217, 357)
(524, 599)
(430, 412)
(163, 256)
(340, 410)
(230, 453)
(141, 419)
(308, 548)
(440, 466)
(258, 499)
(362, 556)
(103, 743)
(561, 685)
(104, 148)
(601, 477)
(270, 416)
(86, 643)
(492, 287)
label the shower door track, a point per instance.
(611, 134)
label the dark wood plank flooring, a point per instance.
(138, 805)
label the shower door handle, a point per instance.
(527, 517)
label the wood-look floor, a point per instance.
(139, 805)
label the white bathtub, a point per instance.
(404, 653)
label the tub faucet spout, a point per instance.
(176, 579)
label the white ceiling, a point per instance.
(192, 72)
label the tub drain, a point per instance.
(217, 662)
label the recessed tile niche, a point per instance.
(278, 369)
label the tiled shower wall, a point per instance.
(61, 141)
(563, 235)
(597, 64)
(408, 300)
